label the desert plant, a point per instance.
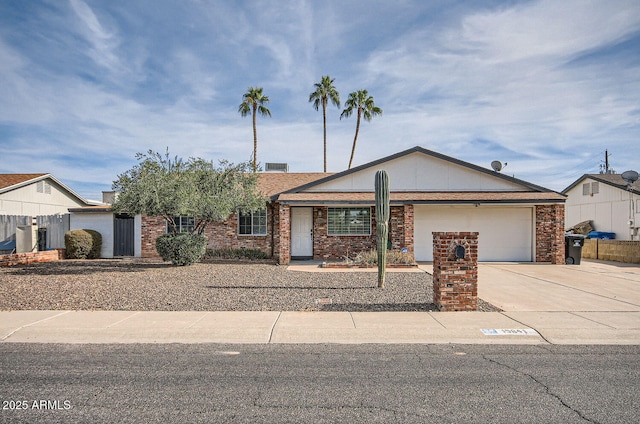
(83, 244)
(181, 249)
(236, 254)
(394, 257)
(382, 222)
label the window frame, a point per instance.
(182, 227)
(255, 225)
(366, 227)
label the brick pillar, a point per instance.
(152, 228)
(408, 228)
(284, 232)
(550, 233)
(455, 280)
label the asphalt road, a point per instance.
(319, 383)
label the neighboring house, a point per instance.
(36, 194)
(330, 216)
(40, 197)
(606, 201)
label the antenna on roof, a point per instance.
(497, 165)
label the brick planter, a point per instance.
(340, 265)
(455, 279)
(31, 257)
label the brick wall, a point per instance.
(31, 257)
(455, 281)
(338, 247)
(550, 233)
(152, 228)
(220, 235)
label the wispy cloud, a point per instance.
(543, 85)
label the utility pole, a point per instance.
(604, 168)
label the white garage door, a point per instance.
(506, 233)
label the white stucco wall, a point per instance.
(28, 201)
(100, 222)
(608, 210)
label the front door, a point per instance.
(301, 233)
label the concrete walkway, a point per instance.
(591, 303)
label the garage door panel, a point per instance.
(505, 233)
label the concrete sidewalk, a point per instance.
(593, 303)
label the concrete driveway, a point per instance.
(592, 286)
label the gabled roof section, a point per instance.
(9, 182)
(524, 184)
(273, 183)
(613, 180)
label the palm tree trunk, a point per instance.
(255, 141)
(353, 149)
(324, 124)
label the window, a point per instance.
(349, 221)
(253, 223)
(586, 189)
(184, 224)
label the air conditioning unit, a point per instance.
(276, 167)
(26, 238)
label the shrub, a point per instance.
(83, 244)
(236, 254)
(394, 257)
(181, 249)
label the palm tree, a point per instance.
(363, 103)
(325, 91)
(253, 101)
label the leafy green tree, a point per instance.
(160, 185)
(253, 102)
(325, 92)
(363, 103)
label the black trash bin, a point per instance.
(573, 248)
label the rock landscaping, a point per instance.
(156, 286)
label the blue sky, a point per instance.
(545, 86)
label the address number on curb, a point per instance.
(509, 332)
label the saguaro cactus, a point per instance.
(382, 222)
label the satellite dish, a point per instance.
(496, 165)
(630, 176)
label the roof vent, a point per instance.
(276, 167)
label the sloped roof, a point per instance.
(10, 182)
(614, 180)
(7, 181)
(273, 183)
(425, 197)
(427, 152)
(304, 192)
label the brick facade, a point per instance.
(277, 242)
(222, 235)
(550, 233)
(326, 246)
(455, 280)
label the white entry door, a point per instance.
(301, 232)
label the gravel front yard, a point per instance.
(151, 286)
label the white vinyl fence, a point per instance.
(54, 226)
